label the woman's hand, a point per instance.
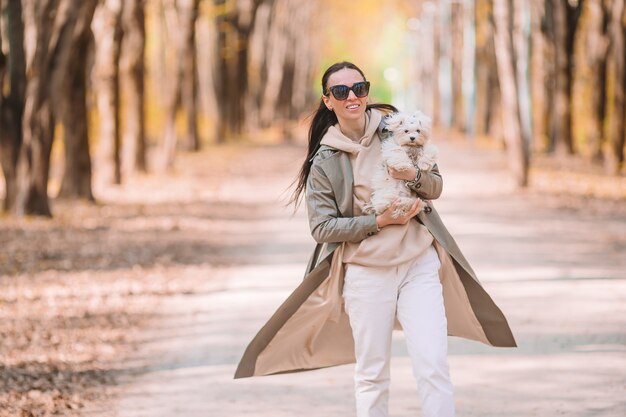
(405, 174)
(386, 217)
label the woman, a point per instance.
(371, 272)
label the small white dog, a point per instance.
(405, 143)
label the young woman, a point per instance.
(370, 272)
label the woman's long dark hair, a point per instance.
(322, 120)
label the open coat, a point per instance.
(311, 329)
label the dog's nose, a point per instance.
(412, 138)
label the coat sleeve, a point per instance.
(428, 184)
(325, 220)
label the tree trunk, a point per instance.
(549, 56)
(38, 123)
(595, 55)
(180, 18)
(279, 66)
(565, 22)
(172, 101)
(277, 44)
(456, 54)
(238, 85)
(68, 91)
(222, 61)
(303, 44)
(12, 106)
(286, 88)
(420, 68)
(520, 47)
(485, 66)
(6, 140)
(231, 81)
(436, 103)
(206, 34)
(108, 30)
(616, 132)
(132, 81)
(437, 49)
(258, 63)
(189, 72)
(537, 75)
(561, 123)
(518, 156)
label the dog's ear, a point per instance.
(394, 120)
(424, 122)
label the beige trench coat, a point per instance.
(311, 330)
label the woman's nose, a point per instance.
(351, 95)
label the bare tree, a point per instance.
(132, 74)
(304, 42)
(564, 20)
(189, 72)
(281, 51)
(590, 78)
(235, 22)
(538, 74)
(12, 105)
(180, 19)
(456, 55)
(616, 133)
(68, 90)
(107, 27)
(521, 40)
(516, 147)
(38, 124)
(278, 57)
(436, 58)
(487, 89)
(420, 67)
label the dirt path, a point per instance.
(212, 253)
(555, 265)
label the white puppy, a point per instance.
(405, 143)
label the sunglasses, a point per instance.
(341, 92)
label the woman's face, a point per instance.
(352, 108)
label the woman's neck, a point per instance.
(354, 129)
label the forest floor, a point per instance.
(142, 304)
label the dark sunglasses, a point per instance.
(341, 92)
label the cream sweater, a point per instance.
(394, 244)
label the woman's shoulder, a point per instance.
(323, 154)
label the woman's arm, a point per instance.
(428, 184)
(324, 216)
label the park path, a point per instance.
(555, 265)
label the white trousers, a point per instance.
(373, 297)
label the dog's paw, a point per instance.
(405, 204)
(401, 166)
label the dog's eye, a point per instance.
(419, 131)
(406, 131)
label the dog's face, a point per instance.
(409, 129)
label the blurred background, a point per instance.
(108, 88)
(147, 149)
